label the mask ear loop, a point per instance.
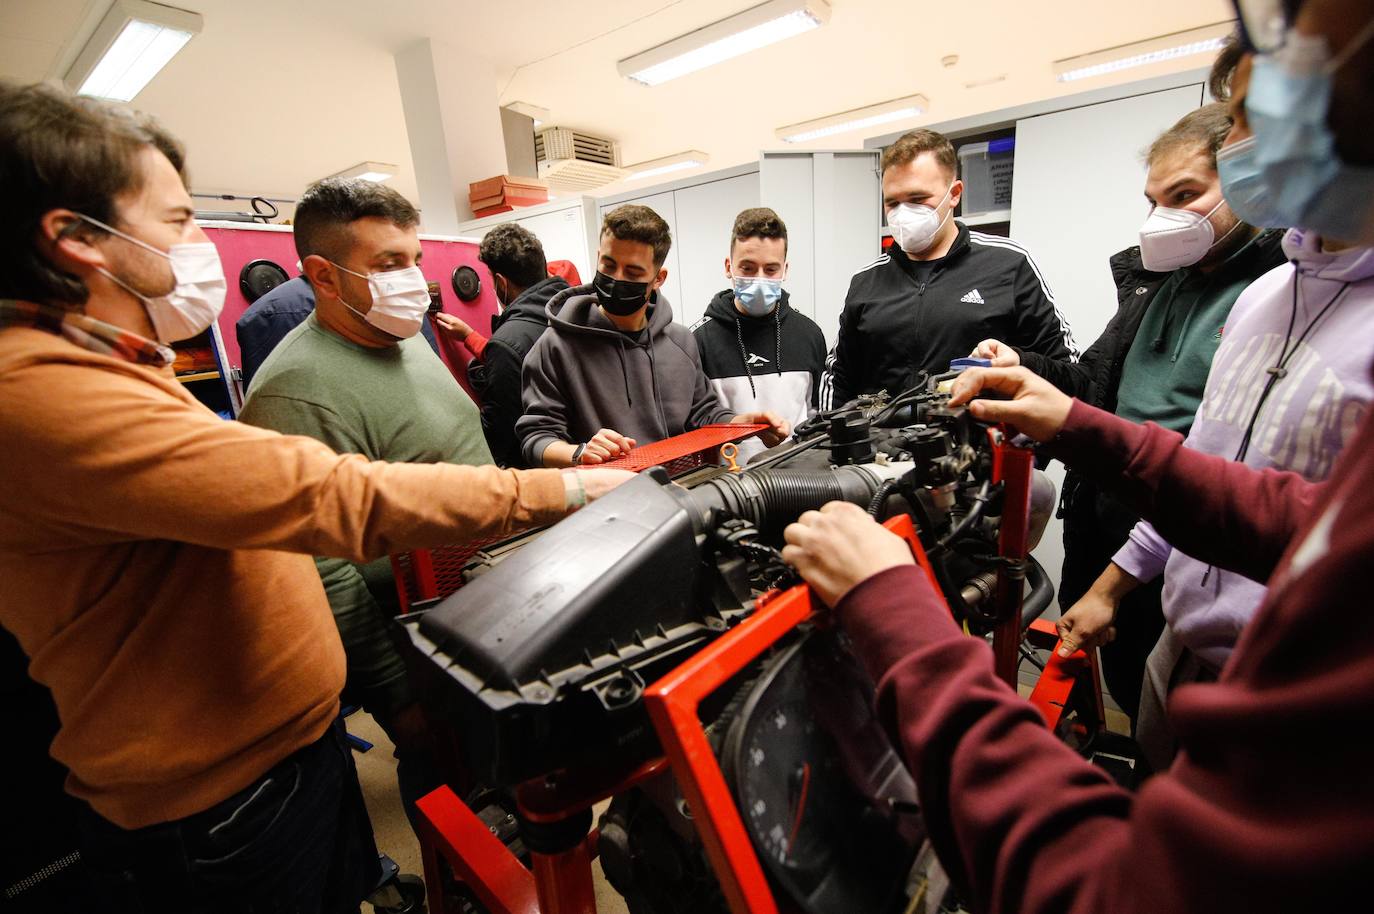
(1230, 231)
(362, 316)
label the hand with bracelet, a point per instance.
(580, 487)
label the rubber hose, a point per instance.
(782, 495)
(875, 507)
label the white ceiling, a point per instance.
(276, 93)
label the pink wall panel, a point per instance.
(238, 246)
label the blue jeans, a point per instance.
(296, 841)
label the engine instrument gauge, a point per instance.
(814, 777)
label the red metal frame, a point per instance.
(673, 704)
(555, 883)
(427, 574)
(1055, 685)
(1012, 466)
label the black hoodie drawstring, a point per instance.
(777, 346)
(777, 340)
(624, 370)
(653, 382)
(744, 354)
(1280, 370)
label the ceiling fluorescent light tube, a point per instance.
(741, 33)
(131, 45)
(368, 171)
(898, 109)
(1205, 40)
(666, 165)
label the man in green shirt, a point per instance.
(356, 376)
(1166, 365)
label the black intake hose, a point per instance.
(1039, 593)
(770, 497)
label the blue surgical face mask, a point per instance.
(1289, 174)
(757, 295)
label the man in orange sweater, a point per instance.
(157, 560)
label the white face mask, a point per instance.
(915, 225)
(198, 296)
(1174, 238)
(400, 299)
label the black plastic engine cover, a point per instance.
(543, 658)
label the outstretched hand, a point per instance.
(778, 427)
(453, 326)
(998, 353)
(1037, 408)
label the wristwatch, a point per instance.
(577, 454)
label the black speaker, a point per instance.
(467, 283)
(258, 277)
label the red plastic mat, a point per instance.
(686, 452)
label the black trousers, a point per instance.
(296, 841)
(1096, 525)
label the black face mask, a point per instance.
(619, 296)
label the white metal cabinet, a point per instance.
(705, 215)
(828, 200)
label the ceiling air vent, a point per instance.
(574, 161)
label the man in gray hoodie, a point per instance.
(614, 370)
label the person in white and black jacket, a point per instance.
(758, 352)
(941, 291)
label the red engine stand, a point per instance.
(556, 883)
(562, 883)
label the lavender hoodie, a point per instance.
(1308, 418)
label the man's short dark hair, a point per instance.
(1224, 68)
(329, 206)
(64, 151)
(1203, 130)
(513, 251)
(633, 222)
(911, 145)
(758, 222)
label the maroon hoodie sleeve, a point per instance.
(1267, 808)
(1211, 508)
(1019, 820)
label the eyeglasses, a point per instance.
(1264, 23)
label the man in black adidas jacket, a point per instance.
(1150, 363)
(757, 351)
(941, 290)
